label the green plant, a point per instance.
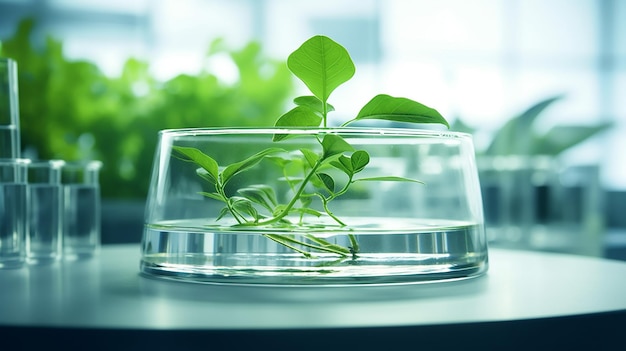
(71, 110)
(519, 136)
(322, 65)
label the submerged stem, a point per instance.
(322, 245)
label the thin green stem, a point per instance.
(354, 245)
(283, 240)
(324, 113)
(326, 243)
(328, 211)
(287, 241)
(238, 217)
(294, 199)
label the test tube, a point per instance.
(9, 110)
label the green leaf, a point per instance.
(268, 190)
(328, 181)
(397, 109)
(344, 164)
(299, 116)
(205, 175)
(313, 103)
(223, 212)
(333, 144)
(306, 210)
(292, 181)
(215, 196)
(388, 179)
(310, 156)
(246, 164)
(201, 159)
(516, 136)
(279, 160)
(244, 205)
(562, 137)
(359, 160)
(257, 196)
(322, 64)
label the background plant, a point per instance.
(71, 110)
(520, 135)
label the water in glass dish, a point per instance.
(387, 251)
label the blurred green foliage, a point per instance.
(519, 135)
(70, 110)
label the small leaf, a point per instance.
(243, 205)
(388, 179)
(205, 175)
(215, 196)
(223, 212)
(201, 159)
(299, 116)
(396, 109)
(278, 210)
(328, 181)
(268, 190)
(313, 103)
(246, 164)
(322, 64)
(257, 196)
(359, 160)
(310, 156)
(344, 164)
(292, 181)
(306, 210)
(334, 145)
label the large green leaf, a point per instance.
(322, 64)
(201, 159)
(396, 109)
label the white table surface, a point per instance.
(108, 292)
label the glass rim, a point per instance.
(87, 165)
(14, 161)
(46, 163)
(367, 131)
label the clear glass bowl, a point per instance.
(318, 207)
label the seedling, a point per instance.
(323, 65)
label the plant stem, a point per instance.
(327, 210)
(234, 212)
(323, 245)
(295, 198)
(282, 239)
